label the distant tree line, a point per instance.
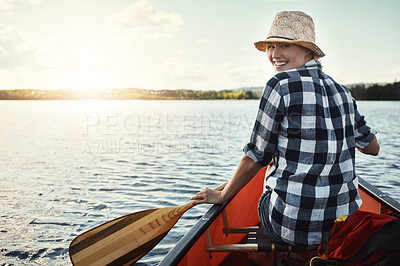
(386, 92)
(124, 94)
(380, 92)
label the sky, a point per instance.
(177, 44)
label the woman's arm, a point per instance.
(372, 148)
(245, 171)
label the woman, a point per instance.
(310, 127)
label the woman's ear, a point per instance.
(315, 56)
(311, 55)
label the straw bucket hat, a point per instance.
(292, 27)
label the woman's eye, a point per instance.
(270, 47)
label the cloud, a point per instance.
(195, 75)
(396, 70)
(202, 40)
(396, 73)
(182, 51)
(17, 57)
(52, 52)
(176, 69)
(6, 78)
(3, 52)
(142, 17)
(22, 60)
(15, 48)
(7, 6)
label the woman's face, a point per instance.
(284, 56)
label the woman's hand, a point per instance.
(247, 168)
(208, 195)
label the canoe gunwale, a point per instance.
(177, 253)
(387, 201)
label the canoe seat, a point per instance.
(266, 244)
(257, 241)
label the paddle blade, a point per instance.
(126, 239)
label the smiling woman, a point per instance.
(308, 127)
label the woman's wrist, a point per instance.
(224, 195)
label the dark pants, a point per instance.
(263, 214)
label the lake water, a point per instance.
(67, 166)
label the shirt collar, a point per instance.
(312, 64)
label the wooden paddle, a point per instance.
(126, 239)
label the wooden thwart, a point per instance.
(257, 240)
(234, 230)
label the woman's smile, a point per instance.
(280, 63)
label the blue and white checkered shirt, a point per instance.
(309, 125)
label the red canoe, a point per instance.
(202, 245)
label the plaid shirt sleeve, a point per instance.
(363, 134)
(264, 138)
